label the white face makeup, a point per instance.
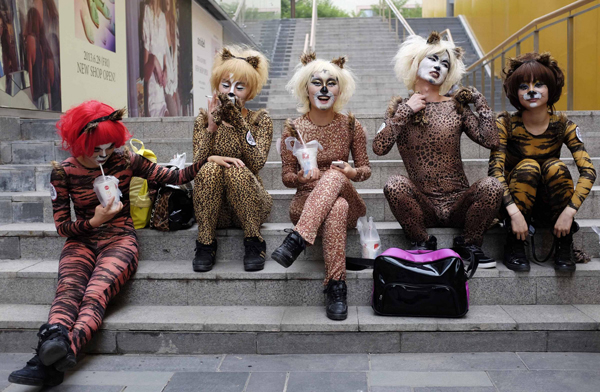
(434, 68)
(534, 94)
(235, 89)
(323, 89)
(103, 152)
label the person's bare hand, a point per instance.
(313, 175)
(519, 226)
(104, 214)
(212, 105)
(226, 161)
(348, 170)
(416, 102)
(564, 222)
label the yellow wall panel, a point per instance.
(493, 21)
(434, 8)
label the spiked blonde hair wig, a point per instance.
(309, 65)
(416, 48)
(244, 64)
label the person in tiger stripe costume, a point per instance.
(538, 187)
(101, 250)
(325, 202)
(235, 142)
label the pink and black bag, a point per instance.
(420, 283)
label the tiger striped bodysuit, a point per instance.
(95, 263)
(529, 168)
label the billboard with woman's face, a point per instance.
(30, 61)
(159, 58)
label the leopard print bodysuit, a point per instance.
(226, 197)
(330, 205)
(437, 192)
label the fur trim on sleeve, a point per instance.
(290, 129)
(351, 122)
(257, 116)
(393, 106)
(202, 119)
(59, 170)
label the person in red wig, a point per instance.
(101, 250)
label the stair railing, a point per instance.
(312, 39)
(515, 40)
(391, 8)
(240, 11)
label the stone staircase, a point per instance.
(166, 308)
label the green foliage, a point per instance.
(304, 9)
(416, 12)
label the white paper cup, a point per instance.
(106, 188)
(371, 249)
(307, 158)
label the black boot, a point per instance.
(515, 258)
(205, 256)
(255, 253)
(290, 249)
(465, 250)
(564, 259)
(430, 244)
(54, 347)
(36, 373)
(335, 305)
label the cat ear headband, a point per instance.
(252, 60)
(117, 115)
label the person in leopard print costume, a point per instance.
(325, 202)
(235, 142)
(427, 128)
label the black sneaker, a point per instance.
(36, 373)
(335, 305)
(205, 256)
(465, 250)
(515, 258)
(55, 348)
(564, 258)
(430, 244)
(255, 253)
(290, 249)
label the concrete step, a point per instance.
(31, 207)
(306, 330)
(39, 241)
(173, 283)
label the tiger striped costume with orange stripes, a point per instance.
(531, 172)
(95, 263)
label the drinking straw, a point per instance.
(102, 170)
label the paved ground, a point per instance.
(477, 372)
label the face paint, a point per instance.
(104, 153)
(532, 95)
(323, 90)
(235, 89)
(434, 68)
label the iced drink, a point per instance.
(371, 248)
(107, 187)
(307, 158)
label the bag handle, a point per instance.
(472, 265)
(532, 244)
(358, 264)
(134, 148)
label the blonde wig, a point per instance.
(244, 64)
(416, 48)
(309, 65)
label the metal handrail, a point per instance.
(313, 27)
(488, 60)
(399, 17)
(529, 26)
(238, 11)
(449, 35)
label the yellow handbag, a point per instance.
(139, 197)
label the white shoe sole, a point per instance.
(487, 265)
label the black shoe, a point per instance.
(255, 253)
(205, 256)
(36, 373)
(55, 347)
(515, 258)
(430, 244)
(464, 250)
(335, 305)
(290, 249)
(564, 258)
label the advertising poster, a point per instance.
(30, 69)
(159, 52)
(93, 52)
(207, 41)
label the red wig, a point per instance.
(75, 119)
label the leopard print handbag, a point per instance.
(173, 209)
(159, 220)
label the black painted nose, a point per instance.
(231, 95)
(324, 90)
(531, 93)
(437, 68)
